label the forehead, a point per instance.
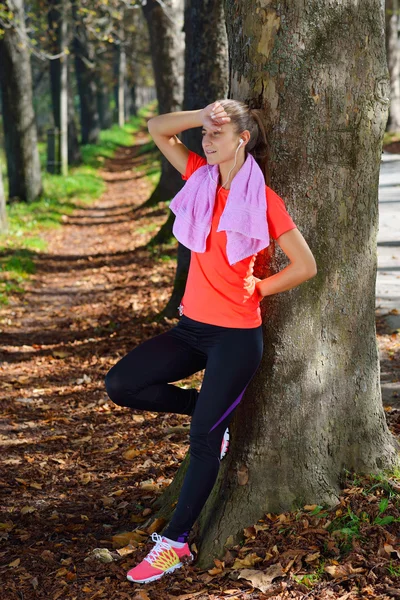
(224, 127)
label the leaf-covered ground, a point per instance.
(79, 474)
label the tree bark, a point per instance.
(121, 72)
(206, 80)
(314, 407)
(3, 212)
(393, 59)
(85, 68)
(20, 134)
(166, 44)
(74, 151)
(103, 106)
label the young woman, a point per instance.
(220, 327)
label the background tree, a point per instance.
(55, 21)
(3, 213)
(23, 165)
(206, 79)
(85, 69)
(166, 44)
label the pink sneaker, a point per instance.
(162, 559)
(224, 444)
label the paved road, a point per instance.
(388, 274)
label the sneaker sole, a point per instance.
(225, 449)
(159, 575)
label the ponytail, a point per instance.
(258, 145)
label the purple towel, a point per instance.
(244, 217)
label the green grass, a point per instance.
(61, 195)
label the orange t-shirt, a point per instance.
(219, 293)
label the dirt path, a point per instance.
(78, 470)
(66, 484)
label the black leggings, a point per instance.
(141, 380)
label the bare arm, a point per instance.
(302, 265)
(164, 129)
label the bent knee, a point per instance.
(114, 387)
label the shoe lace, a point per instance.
(160, 546)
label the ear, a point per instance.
(245, 135)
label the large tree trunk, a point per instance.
(166, 44)
(206, 80)
(314, 407)
(23, 164)
(393, 58)
(85, 69)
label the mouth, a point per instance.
(210, 151)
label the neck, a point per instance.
(225, 167)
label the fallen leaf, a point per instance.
(389, 549)
(191, 595)
(124, 539)
(82, 440)
(36, 486)
(108, 450)
(262, 579)
(85, 478)
(60, 354)
(101, 554)
(141, 595)
(127, 549)
(149, 486)
(215, 571)
(248, 561)
(342, 570)
(15, 563)
(156, 525)
(132, 452)
(311, 557)
(27, 509)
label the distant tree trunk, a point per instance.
(393, 59)
(121, 73)
(103, 104)
(3, 211)
(20, 135)
(64, 93)
(314, 407)
(74, 151)
(55, 31)
(133, 104)
(204, 20)
(166, 42)
(85, 68)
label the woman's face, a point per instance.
(222, 143)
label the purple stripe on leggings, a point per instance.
(230, 409)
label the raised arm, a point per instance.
(164, 129)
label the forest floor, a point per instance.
(79, 473)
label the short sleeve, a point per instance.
(279, 220)
(195, 161)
